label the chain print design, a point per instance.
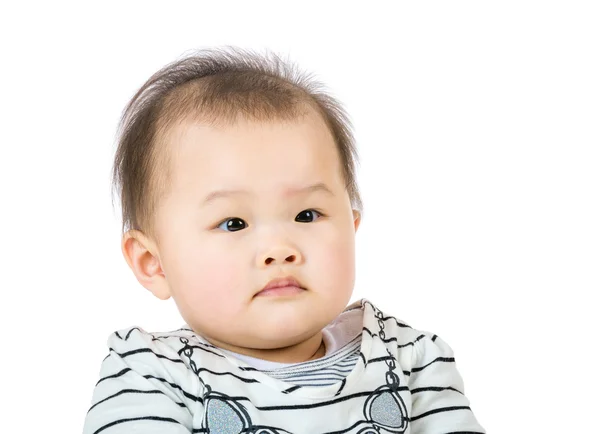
(384, 408)
(222, 414)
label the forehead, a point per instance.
(261, 156)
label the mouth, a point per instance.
(287, 286)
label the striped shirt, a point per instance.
(322, 372)
(400, 380)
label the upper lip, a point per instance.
(281, 282)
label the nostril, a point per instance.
(291, 258)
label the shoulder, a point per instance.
(145, 377)
(136, 355)
(134, 346)
(393, 327)
(421, 344)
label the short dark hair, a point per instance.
(215, 85)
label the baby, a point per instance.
(239, 197)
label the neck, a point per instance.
(310, 349)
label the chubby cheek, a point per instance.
(209, 286)
(334, 261)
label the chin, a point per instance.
(277, 341)
(290, 328)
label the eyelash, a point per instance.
(319, 215)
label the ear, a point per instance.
(357, 217)
(142, 257)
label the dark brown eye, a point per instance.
(307, 216)
(233, 224)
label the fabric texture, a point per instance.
(402, 381)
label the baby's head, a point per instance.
(233, 170)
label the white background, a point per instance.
(478, 129)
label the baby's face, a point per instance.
(249, 203)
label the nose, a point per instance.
(279, 255)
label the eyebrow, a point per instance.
(220, 194)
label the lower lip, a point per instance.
(283, 291)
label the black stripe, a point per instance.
(439, 359)
(434, 389)
(118, 374)
(434, 337)
(144, 350)
(176, 386)
(116, 422)
(380, 359)
(245, 380)
(162, 380)
(120, 392)
(465, 432)
(129, 332)
(307, 406)
(439, 410)
(411, 343)
(149, 350)
(341, 387)
(363, 358)
(320, 404)
(291, 389)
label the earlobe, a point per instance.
(142, 257)
(357, 217)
